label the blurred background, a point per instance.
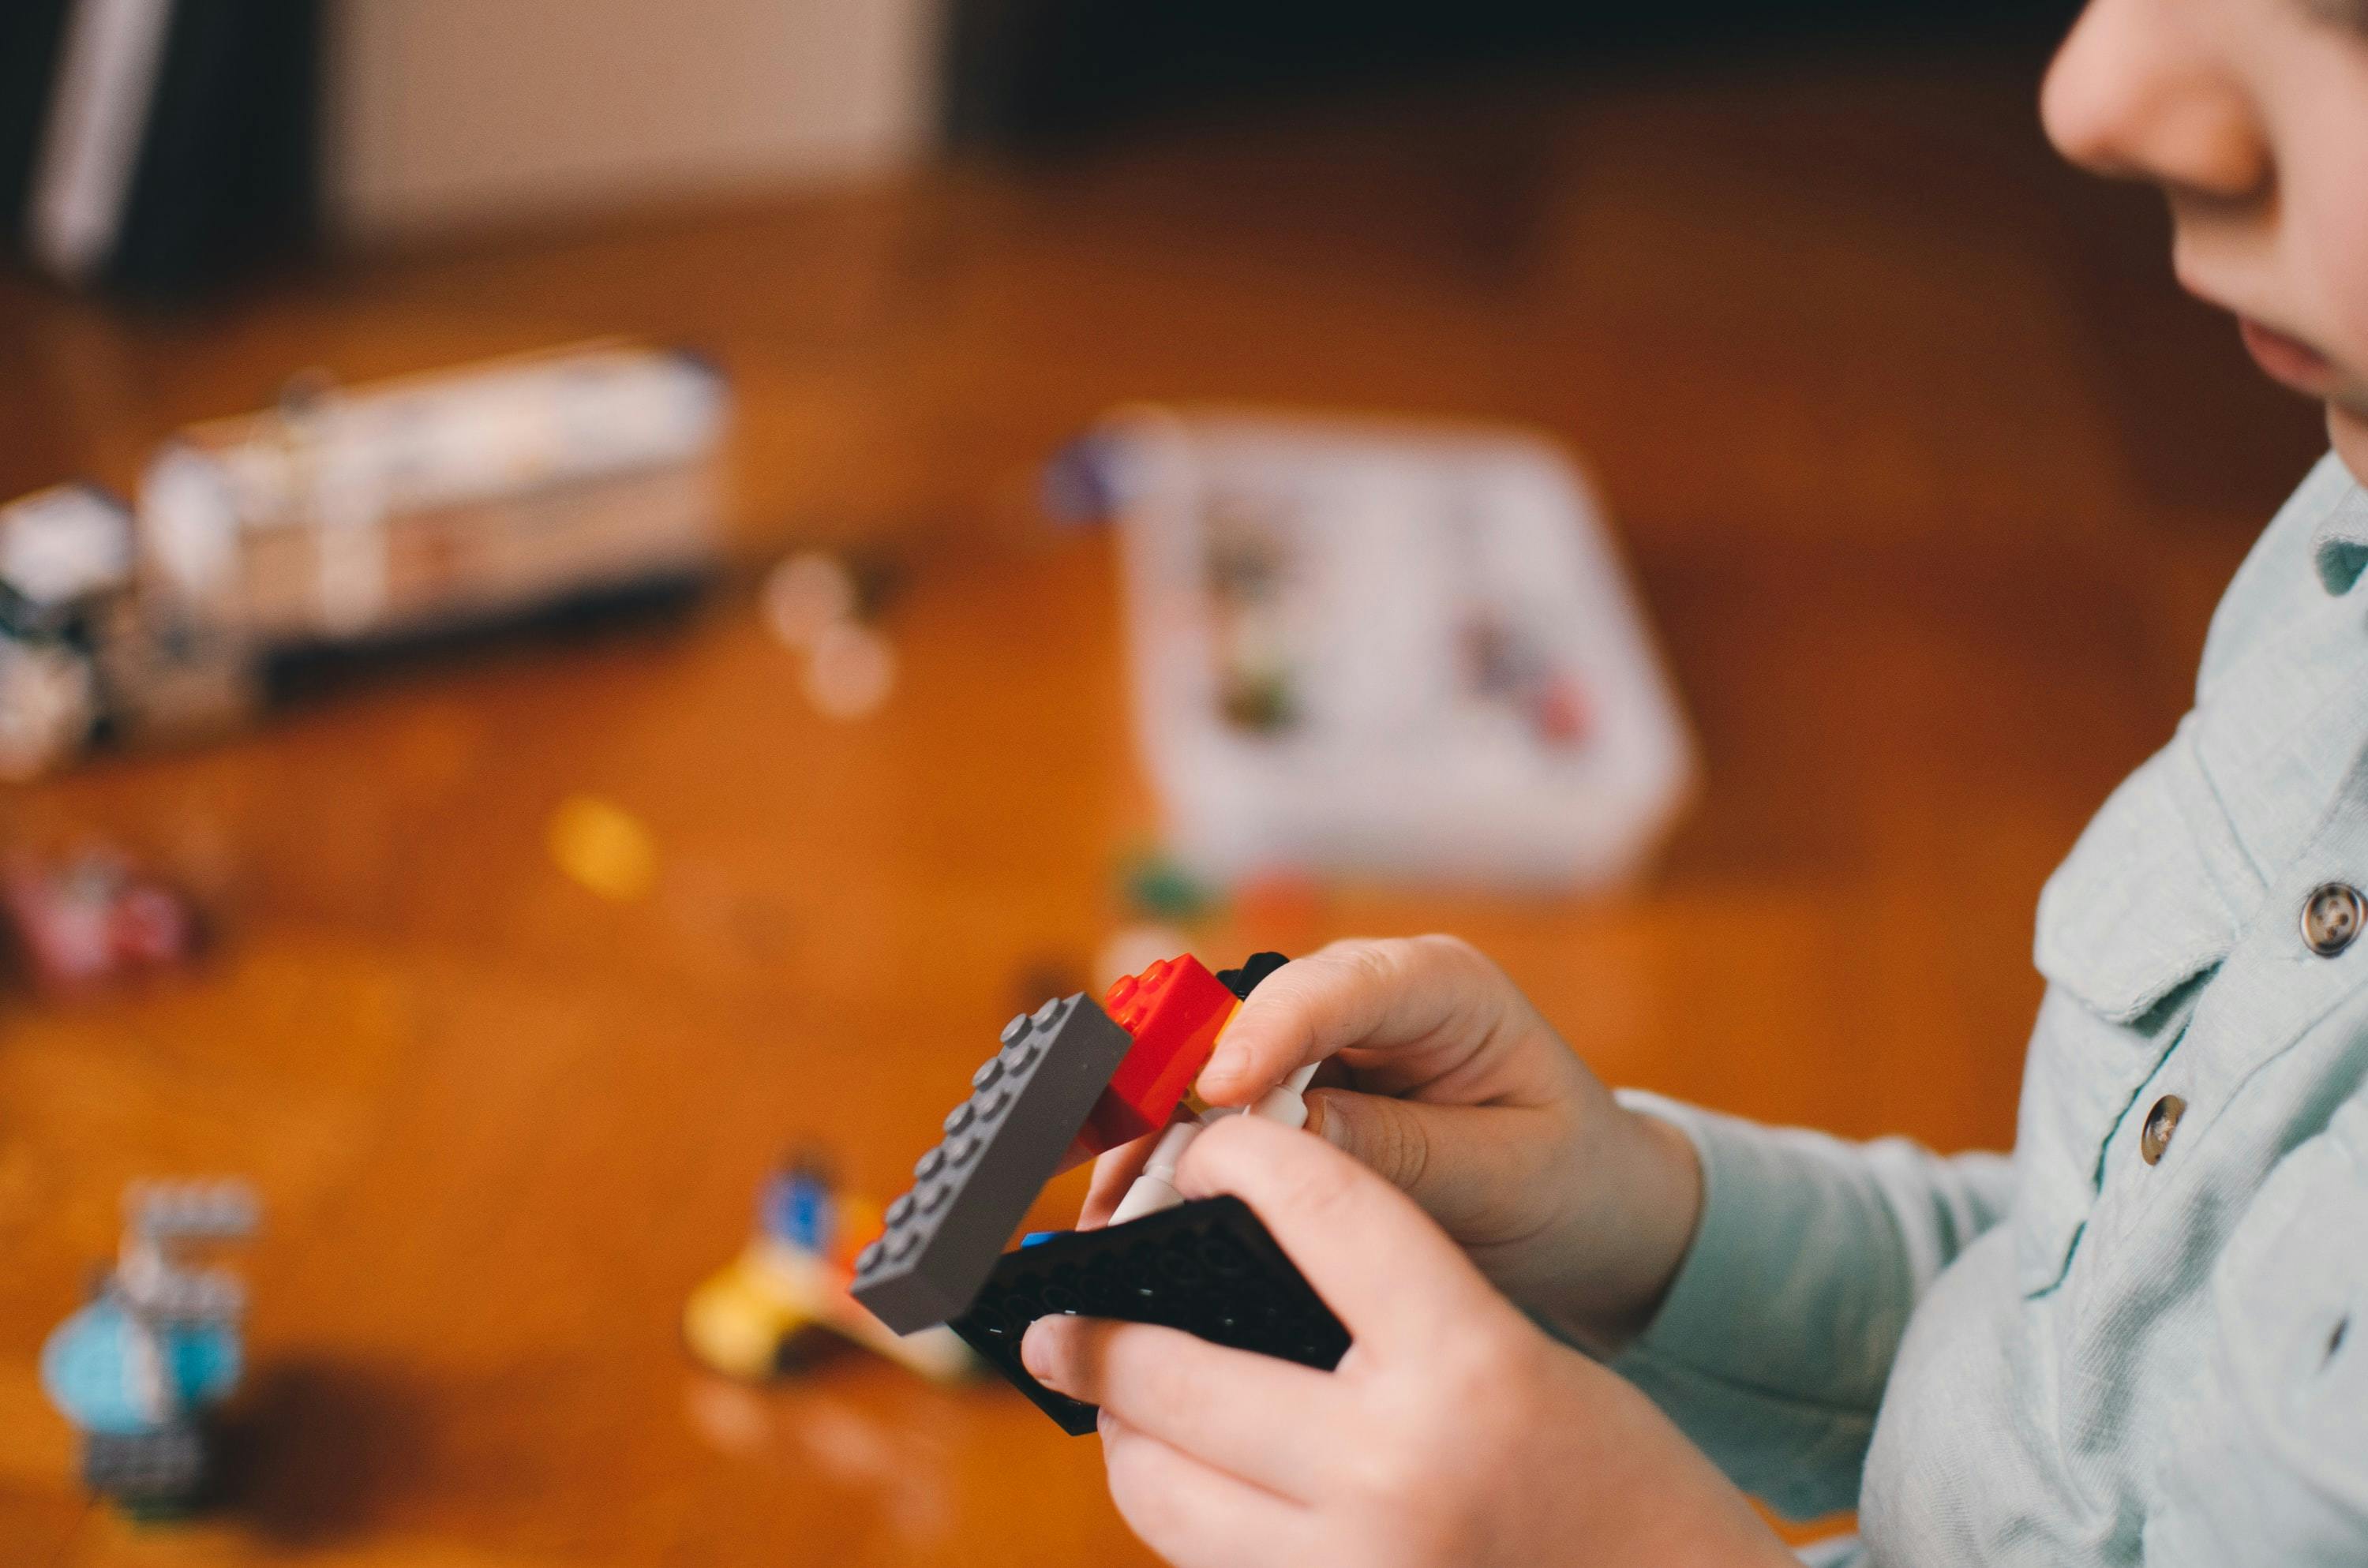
(525, 818)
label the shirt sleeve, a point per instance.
(2268, 1461)
(1772, 1348)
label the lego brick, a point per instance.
(1252, 974)
(1175, 1010)
(1208, 1267)
(1001, 1146)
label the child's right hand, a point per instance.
(1460, 1094)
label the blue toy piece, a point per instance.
(90, 1368)
(140, 1370)
(797, 1208)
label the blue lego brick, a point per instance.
(1209, 1268)
(1002, 1146)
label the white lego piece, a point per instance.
(1155, 1189)
(1286, 1102)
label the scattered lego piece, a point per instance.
(1074, 490)
(748, 1320)
(816, 605)
(1174, 1009)
(797, 1206)
(1160, 887)
(1209, 1268)
(603, 846)
(851, 671)
(140, 1370)
(806, 594)
(1001, 1146)
(1561, 713)
(93, 920)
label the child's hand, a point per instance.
(1454, 1433)
(1467, 1098)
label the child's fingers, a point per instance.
(1197, 1516)
(1369, 994)
(1377, 1260)
(1457, 1162)
(1272, 1423)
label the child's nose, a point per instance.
(2136, 92)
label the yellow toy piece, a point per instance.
(742, 1320)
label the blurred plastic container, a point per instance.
(1391, 648)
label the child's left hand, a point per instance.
(1453, 1433)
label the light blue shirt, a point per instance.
(2080, 1354)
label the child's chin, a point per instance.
(2348, 429)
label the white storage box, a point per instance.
(1391, 648)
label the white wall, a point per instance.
(447, 114)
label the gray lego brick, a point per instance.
(1002, 1146)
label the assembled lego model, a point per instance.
(140, 1370)
(93, 919)
(1072, 1081)
(748, 1319)
(345, 522)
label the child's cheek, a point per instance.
(2329, 213)
(2344, 248)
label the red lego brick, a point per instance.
(1174, 1010)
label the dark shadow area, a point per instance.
(316, 1453)
(1049, 74)
(652, 613)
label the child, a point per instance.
(2143, 1340)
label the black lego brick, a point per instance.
(1001, 1146)
(1208, 1267)
(1255, 969)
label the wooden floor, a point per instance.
(1929, 476)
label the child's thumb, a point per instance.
(1387, 1136)
(1455, 1161)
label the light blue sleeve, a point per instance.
(1772, 1348)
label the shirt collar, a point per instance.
(2340, 546)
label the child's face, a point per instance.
(2252, 115)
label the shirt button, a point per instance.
(2331, 918)
(2160, 1123)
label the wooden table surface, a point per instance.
(1929, 475)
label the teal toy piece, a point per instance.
(91, 1369)
(140, 1370)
